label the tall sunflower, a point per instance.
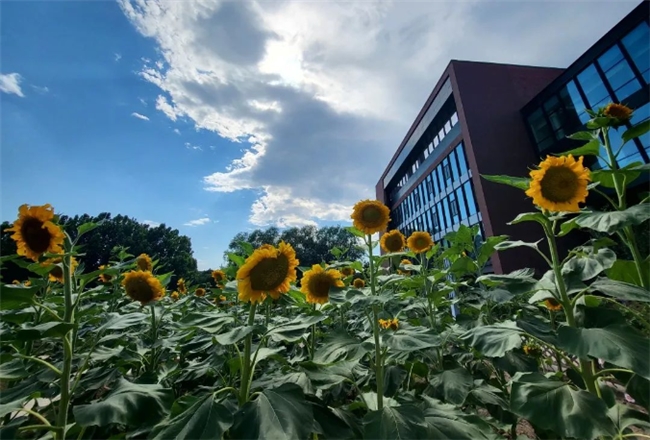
(56, 265)
(393, 241)
(420, 241)
(268, 271)
(618, 113)
(35, 233)
(181, 287)
(370, 216)
(104, 277)
(143, 286)
(552, 304)
(559, 184)
(144, 262)
(199, 291)
(175, 295)
(218, 276)
(317, 282)
(347, 271)
(359, 283)
(402, 263)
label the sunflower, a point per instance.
(420, 241)
(347, 271)
(532, 350)
(34, 232)
(104, 277)
(15, 282)
(56, 272)
(402, 263)
(268, 270)
(559, 184)
(219, 276)
(316, 283)
(143, 286)
(393, 241)
(359, 283)
(222, 298)
(370, 216)
(618, 112)
(175, 295)
(144, 262)
(181, 287)
(552, 305)
(392, 324)
(199, 291)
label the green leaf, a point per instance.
(610, 222)
(210, 322)
(453, 385)
(354, 231)
(597, 122)
(554, 405)
(237, 259)
(325, 376)
(409, 340)
(515, 244)
(607, 178)
(279, 413)
(206, 419)
(636, 130)
(128, 404)
(87, 227)
(329, 423)
(17, 297)
(625, 270)
(117, 321)
(591, 148)
(518, 182)
(53, 329)
(586, 267)
(530, 217)
(339, 345)
(398, 422)
(620, 290)
(444, 421)
(620, 345)
(582, 136)
(394, 376)
(490, 395)
(623, 417)
(639, 389)
(234, 335)
(517, 282)
(494, 340)
(295, 329)
(13, 370)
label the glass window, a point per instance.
(539, 126)
(441, 180)
(636, 43)
(434, 221)
(446, 170)
(445, 207)
(628, 152)
(441, 217)
(641, 114)
(434, 179)
(621, 75)
(453, 207)
(627, 89)
(454, 118)
(454, 166)
(427, 218)
(461, 203)
(552, 104)
(610, 58)
(469, 197)
(593, 86)
(462, 162)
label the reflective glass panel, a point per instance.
(592, 86)
(636, 43)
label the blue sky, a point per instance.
(215, 118)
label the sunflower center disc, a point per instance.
(559, 184)
(269, 273)
(35, 235)
(319, 286)
(371, 214)
(394, 243)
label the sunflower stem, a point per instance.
(154, 338)
(246, 359)
(68, 318)
(313, 338)
(585, 365)
(379, 375)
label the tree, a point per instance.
(313, 245)
(161, 242)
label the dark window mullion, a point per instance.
(605, 81)
(631, 63)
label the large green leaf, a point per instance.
(618, 344)
(636, 130)
(556, 406)
(294, 330)
(118, 321)
(128, 404)
(206, 419)
(13, 399)
(29, 332)
(626, 271)
(529, 217)
(504, 245)
(325, 376)
(494, 340)
(445, 421)
(588, 266)
(620, 290)
(210, 322)
(518, 182)
(624, 417)
(452, 385)
(278, 413)
(517, 282)
(395, 422)
(411, 339)
(591, 148)
(610, 222)
(234, 335)
(339, 345)
(16, 296)
(394, 376)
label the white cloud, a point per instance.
(142, 101)
(192, 147)
(198, 222)
(320, 94)
(41, 89)
(151, 223)
(10, 84)
(177, 131)
(117, 56)
(139, 116)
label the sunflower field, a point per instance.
(415, 341)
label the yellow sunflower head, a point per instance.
(181, 287)
(370, 216)
(317, 282)
(619, 113)
(27, 283)
(420, 241)
(143, 286)
(56, 265)
(559, 184)
(268, 271)
(402, 263)
(175, 295)
(35, 233)
(15, 282)
(104, 277)
(393, 241)
(222, 298)
(144, 262)
(392, 324)
(347, 271)
(218, 276)
(532, 350)
(552, 305)
(359, 283)
(199, 291)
